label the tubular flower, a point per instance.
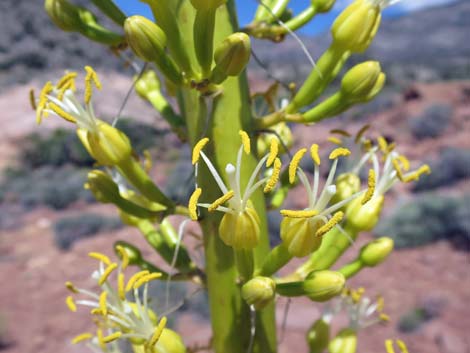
(115, 314)
(105, 143)
(239, 227)
(302, 230)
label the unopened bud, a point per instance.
(102, 186)
(148, 82)
(363, 81)
(231, 56)
(65, 15)
(354, 29)
(283, 132)
(318, 336)
(240, 230)
(376, 251)
(347, 184)
(322, 5)
(259, 291)
(321, 286)
(204, 5)
(169, 342)
(364, 217)
(344, 342)
(298, 235)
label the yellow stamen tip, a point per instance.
(112, 337)
(389, 346)
(135, 278)
(121, 291)
(71, 304)
(90, 79)
(106, 273)
(82, 337)
(402, 346)
(337, 217)
(158, 332)
(314, 154)
(383, 144)
(245, 141)
(341, 132)
(299, 213)
(197, 149)
(371, 182)
(335, 140)
(147, 278)
(101, 257)
(103, 303)
(339, 152)
(69, 285)
(193, 203)
(384, 317)
(124, 256)
(360, 133)
(32, 99)
(295, 163)
(274, 176)
(221, 200)
(273, 152)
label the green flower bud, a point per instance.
(321, 286)
(362, 80)
(259, 291)
(134, 255)
(148, 82)
(204, 5)
(148, 41)
(322, 5)
(169, 342)
(108, 145)
(102, 186)
(364, 217)
(318, 336)
(283, 132)
(64, 15)
(354, 29)
(298, 235)
(231, 56)
(344, 342)
(347, 184)
(241, 230)
(376, 251)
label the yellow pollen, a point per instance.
(103, 303)
(245, 141)
(335, 140)
(112, 337)
(32, 99)
(147, 161)
(99, 334)
(198, 148)
(66, 80)
(424, 169)
(121, 291)
(83, 337)
(383, 144)
(274, 176)
(299, 213)
(71, 304)
(90, 79)
(384, 317)
(367, 145)
(146, 279)
(405, 163)
(101, 257)
(62, 113)
(314, 154)
(106, 273)
(356, 295)
(371, 182)
(157, 333)
(360, 133)
(380, 304)
(124, 256)
(295, 163)
(341, 132)
(135, 278)
(69, 285)
(339, 152)
(221, 200)
(402, 346)
(389, 346)
(337, 217)
(397, 167)
(273, 151)
(193, 203)
(42, 104)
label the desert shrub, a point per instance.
(413, 320)
(70, 229)
(432, 122)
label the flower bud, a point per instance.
(259, 291)
(321, 286)
(376, 251)
(347, 184)
(240, 230)
(283, 132)
(354, 29)
(102, 186)
(344, 342)
(298, 235)
(364, 217)
(204, 5)
(169, 342)
(362, 80)
(231, 56)
(322, 5)
(108, 145)
(65, 15)
(148, 82)
(318, 336)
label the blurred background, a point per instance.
(48, 222)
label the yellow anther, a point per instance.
(96, 311)
(314, 154)
(101, 257)
(193, 203)
(295, 163)
(391, 147)
(245, 141)
(371, 182)
(397, 167)
(67, 80)
(367, 145)
(339, 152)
(273, 151)
(120, 282)
(356, 295)
(335, 140)
(299, 213)
(384, 317)
(69, 285)
(405, 163)
(389, 346)
(198, 148)
(101, 342)
(112, 337)
(158, 332)
(42, 104)
(135, 278)
(106, 273)
(82, 337)
(424, 169)
(104, 303)
(62, 113)
(147, 161)
(380, 304)
(124, 256)
(361, 132)
(383, 144)
(337, 217)
(221, 200)
(146, 279)
(402, 346)
(71, 304)
(274, 176)
(341, 132)
(32, 99)
(90, 79)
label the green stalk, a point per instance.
(351, 268)
(277, 258)
(204, 39)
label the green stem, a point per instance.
(204, 24)
(329, 107)
(290, 289)
(301, 19)
(109, 8)
(351, 268)
(277, 258)
(245, 264)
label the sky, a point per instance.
(246, 9)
